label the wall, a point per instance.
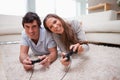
(113, 3)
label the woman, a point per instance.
(66, 34)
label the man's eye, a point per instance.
(26, 27)
(34, 26)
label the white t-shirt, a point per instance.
(45, 42)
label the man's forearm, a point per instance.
(52, 56)
(22, 57)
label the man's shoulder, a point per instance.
(24, 34)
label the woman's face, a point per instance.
(54, 25)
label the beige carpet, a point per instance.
(99, 63)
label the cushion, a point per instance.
(108, 26)
(10, 24)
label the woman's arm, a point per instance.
(78, 29)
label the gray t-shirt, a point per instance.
(45, 42)
(77, 28)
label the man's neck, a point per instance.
(35, 41)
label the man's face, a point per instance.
(32, 30)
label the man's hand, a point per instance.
(63, 59)
(45, 62)
(27, 64)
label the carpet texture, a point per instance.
(99, 63)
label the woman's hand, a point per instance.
(77, 47)
(27, 64)
(63, 60)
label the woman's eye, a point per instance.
(54, 22)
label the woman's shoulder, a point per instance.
(75, 24)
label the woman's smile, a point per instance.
(55, 25)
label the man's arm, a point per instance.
(48, 59)
(23, 53)
(24, 58)
(53, 54)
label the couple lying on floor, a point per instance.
(43, 41)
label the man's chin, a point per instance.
(31, 37)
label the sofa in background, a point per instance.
(10, 27)
(99, 27)
(102, 26)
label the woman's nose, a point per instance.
(54, 25)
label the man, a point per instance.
(39, 40)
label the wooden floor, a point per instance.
(99, 63)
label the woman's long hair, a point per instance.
(68, 37)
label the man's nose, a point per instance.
(30, 30)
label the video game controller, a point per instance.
(69, 54)
(36, 61)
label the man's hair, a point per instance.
(30, 17)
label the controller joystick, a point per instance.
(36, 61)
(69, 54)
